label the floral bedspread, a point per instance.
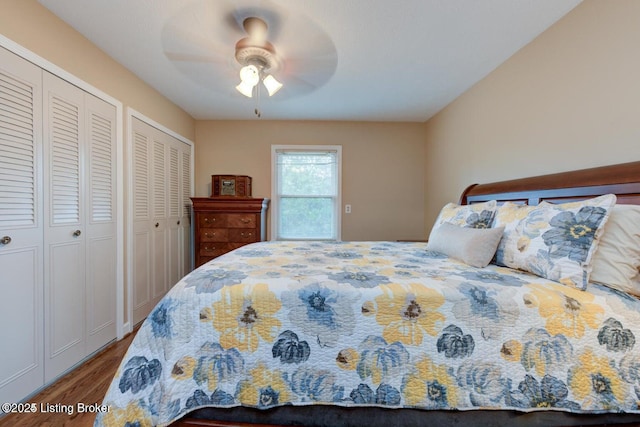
(375, 323)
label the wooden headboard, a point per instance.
(623, 180)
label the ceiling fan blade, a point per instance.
(299, 33)
(182, 39)
(192, 57)
(210, 76)
(294, 86)
(201, 58)
(317, 70)
(310, 61)
(307, 54)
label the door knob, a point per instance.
(5, 240)
(77, 233)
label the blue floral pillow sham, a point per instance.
(556, 242)
(513, 217)
(478, 215)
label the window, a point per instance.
(305, 192)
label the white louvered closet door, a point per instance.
(80, 233)
(101, 239)
(65, 230)
(160, 238)
(179, 208)
(161, 228)
(141, 240)
(185, 209)
(152, 184)
(174, 245)
(21, 228)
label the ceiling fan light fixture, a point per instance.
(245, 89)
(249, 78)
(250, 75)
(257, 57)
(271, 84)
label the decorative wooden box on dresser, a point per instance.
(226, 223)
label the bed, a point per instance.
(410, 333)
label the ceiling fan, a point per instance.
(213, 43)
(257, 57)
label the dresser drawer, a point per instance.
(211, 220)
(213, 249)
(214, 235)
(246, 235)
(242, 221)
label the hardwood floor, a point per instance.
(87, 384)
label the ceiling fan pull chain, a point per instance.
(257, 109)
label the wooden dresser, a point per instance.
(226, 223)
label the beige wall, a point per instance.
(32, 26)
(382, 165)
(568, 100)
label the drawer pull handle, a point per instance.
(178, 222)
(77, 233)
(157, 224)
(243, 234)
(207, 248)
(245, 220)
(5, 240)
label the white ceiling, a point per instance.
(371, 60)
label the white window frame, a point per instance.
(275, 198)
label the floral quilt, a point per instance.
(375, 323)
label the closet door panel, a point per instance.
(101, 293)
(160, 231)
(141, 275)
(21, 227)
(142, 259)
(21, 370)
(185, 210)
(65, 321)
(101, 278)
(64, 236)
(159, 251)
(174, 245)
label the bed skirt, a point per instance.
(326, 416)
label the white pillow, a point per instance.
(473, 246)
(617, 259)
